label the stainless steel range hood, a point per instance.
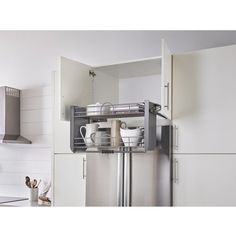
(10, 116)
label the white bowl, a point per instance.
(131, 137)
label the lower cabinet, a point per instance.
(204, 180)
(69, 179)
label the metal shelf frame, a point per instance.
(80, 116)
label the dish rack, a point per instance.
(143, 141)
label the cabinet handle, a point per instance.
(176, 171)
(176, 145)
(84, 166)
(167, 89)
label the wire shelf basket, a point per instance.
(109, 142)
(113, 110)
(143, 141)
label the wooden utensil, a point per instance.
(27, 181)
(34, 183)
(38, 183)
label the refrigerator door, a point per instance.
(137, 179)
(151, 173)
(102, 180)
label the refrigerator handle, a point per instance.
(176, 145)
(84, 168)
(176, 171)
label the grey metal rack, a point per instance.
(80, 116)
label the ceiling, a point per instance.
(181, 41)
(109, 45)
(28, 57)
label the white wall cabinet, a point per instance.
(166, 86)
(75, 86)
(204, 101)
(204, 180)
(81, 84)
(69, 179)
(134, 81)
(61, 128)
(204, 98)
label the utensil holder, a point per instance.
(34, 194)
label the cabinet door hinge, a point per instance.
(92, 74)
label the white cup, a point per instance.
(100, 138)
(89, 128)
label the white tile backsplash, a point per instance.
(30, 103)
(34, 160)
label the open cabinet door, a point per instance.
(166, 87)
(76, 86)
(72, 85)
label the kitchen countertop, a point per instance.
(19, 202)
(5, 199)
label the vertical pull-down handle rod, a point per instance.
(120, 180)
(127, 177)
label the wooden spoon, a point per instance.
(27, 181)
(34, 183)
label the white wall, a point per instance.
(34, 160)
